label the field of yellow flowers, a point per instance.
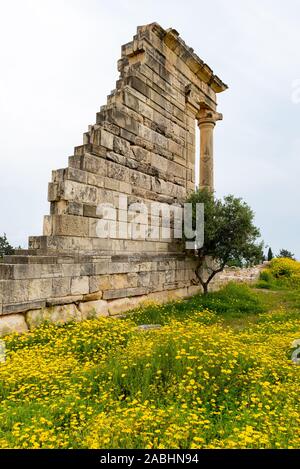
(216, 374)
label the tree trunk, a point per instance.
(211, 276)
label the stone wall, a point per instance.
(141, 147)
(81, 307)
(248, 275)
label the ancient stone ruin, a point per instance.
(141, 147)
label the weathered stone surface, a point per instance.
(194, 290)
(93, 309)
(123, 305)
(61, 286)
(54, 314)
(12, 323)
(64, 300)
(168, 295)
(148, 327)
(79, 285)
(21, 307)
(93, 296)
(124, 292)
(142, 145)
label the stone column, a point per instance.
(206, 121)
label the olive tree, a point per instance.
(230, 235)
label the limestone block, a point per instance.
(118, 171)
(12, 323)
(22, 307)
(131, 137)
(61, 286)
(7, 271)
(114, 129)
(118, 267)
(101, 268)
(141, 154)
(169, 295)
(111, 184)
(39, 288)
(93, 309)
(97, 295)
(66, 225)
(194, 290)
(95, 180)
(52, 191)
(124, 292)
(30, 271)
(79, 285)
(54, 314)
(15, 291)
(99, 282)
(78, 192)
(125, 187)
(107, 139)
(144, 279)
(64, 300)
(131, 101)
(87, 268)
(122, 305)
(122, 147)
(70, 270)
(116, 157)
(94, 164)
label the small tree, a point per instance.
(270, 254)
(286, 253)
(5, 247)
(229, 235)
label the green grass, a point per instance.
(216, 374)
(232, 301)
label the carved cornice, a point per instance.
(179, 47)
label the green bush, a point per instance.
(264, 285)
(266, 276)
(281, 273)
(284, 267)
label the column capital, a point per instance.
(207, 116)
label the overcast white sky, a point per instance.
(58, 62)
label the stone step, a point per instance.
(25, 252)
(27, 259)
(99, 246)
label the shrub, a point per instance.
(281, 273)
(284, 267)
(266, 276)
(264, 285)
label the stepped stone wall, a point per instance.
(77, 309)
(142, 147)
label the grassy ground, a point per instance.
(216, 374)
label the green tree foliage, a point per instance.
(270, 254)
(230, 236)
(5, 247)
(286, 253)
